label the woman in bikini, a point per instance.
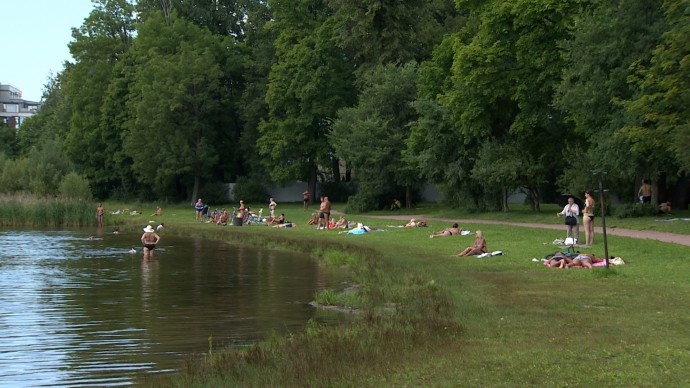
(149, 239)
(588, 217)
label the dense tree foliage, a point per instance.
(168, 98)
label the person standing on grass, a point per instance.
(272, 208)
(571, 210)
(324, 213)
(100, 212)
(199, 206)
(588, 218)
(645, 192)
(305, 199)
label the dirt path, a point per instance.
(681, 239)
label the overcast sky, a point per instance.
(35, 34)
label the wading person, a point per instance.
(100, 211)
(149, 239)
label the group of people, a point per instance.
(582, 260)
(571, 211)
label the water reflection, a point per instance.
(75, 311)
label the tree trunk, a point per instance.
(504, 200)
(408, 197)
(534, 198)
(195, 191)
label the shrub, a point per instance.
(249, 190)
(633, 210)
(74, 186)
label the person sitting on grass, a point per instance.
(313, 220)
(452, 231)
(477, 248)
(584, 260)
(223, 219)
(341, 223)
(665, 208)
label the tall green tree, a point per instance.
(607, 39)
(371, 136)
(310, 80)
(97, 47)
(660, 112)
(175, 100)
(505, 67)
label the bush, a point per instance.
(74, 186)
(634, 210)
(249, 190)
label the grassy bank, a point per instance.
(429, 318)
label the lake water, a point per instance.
(80, 312)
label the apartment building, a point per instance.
(14, 109)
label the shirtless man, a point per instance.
(324, 213)
(100, 211)
(149, 239)
(645, 192)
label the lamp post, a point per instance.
(600, 176)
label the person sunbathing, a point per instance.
(452, 231)
(477, 248)
(278, 220)
(314, 219)
(341, 223)
(558, 260)
(584, 260)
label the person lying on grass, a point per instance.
(584, 260)
(558, 260)
(452, 231)
(477, 248)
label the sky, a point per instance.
(35, 34)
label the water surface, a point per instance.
(75, 311)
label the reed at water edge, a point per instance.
(30, 210)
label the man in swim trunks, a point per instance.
(324, 213)
(100, 211)
(149, 239)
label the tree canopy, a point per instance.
(165, 99)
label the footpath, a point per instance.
(681, 239)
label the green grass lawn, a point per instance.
(519, 323)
